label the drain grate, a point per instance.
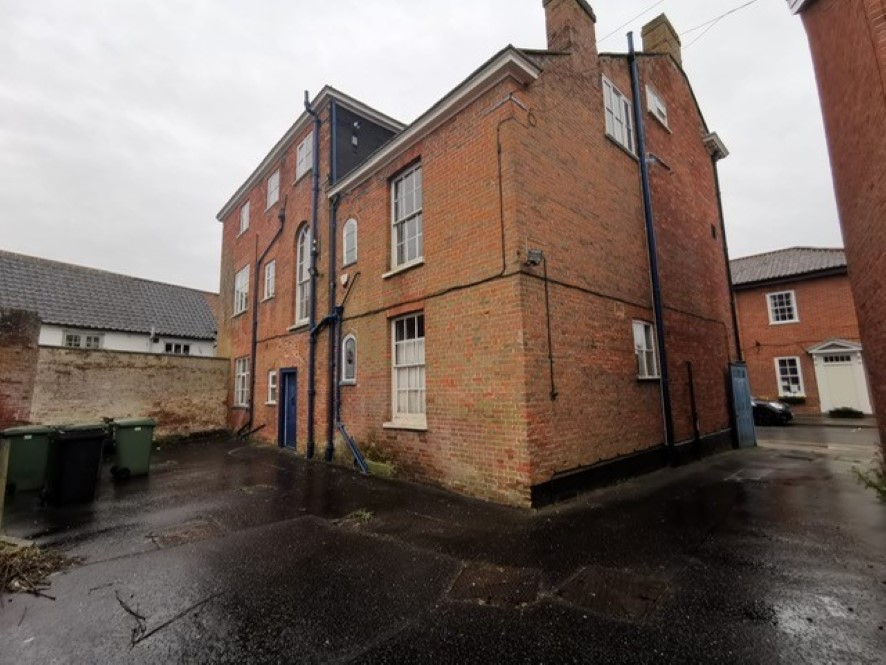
(496, 585)
(621, 594)
(189, 532)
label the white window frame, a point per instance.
(304, 157)
(618, 116)
(241, 290)
(345, 379)
(176, 347)
(348, 260)
(771, 307)
(270, 279)
(779, 379)
(272, 386)
(402, 220)
(241, 381)
(302, 275)
(409, 368)
(645, 349)
(82, 339)
(244, 218)
(273, 193)
(656, 106)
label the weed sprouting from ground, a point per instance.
(27, 569)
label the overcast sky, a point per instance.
(125, 126)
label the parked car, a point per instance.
(771, 413)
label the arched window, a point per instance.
(349, 359)
(349, 242)
(302, 275)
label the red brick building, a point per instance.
(848, 44)
(482, 285)
(798, 329)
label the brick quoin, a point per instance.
(847, 39)
(517, 167)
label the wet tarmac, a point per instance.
(239, 554)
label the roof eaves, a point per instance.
(328, 92)
(510, 61)
(790, 277)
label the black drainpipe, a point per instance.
(657, 307)
(732, 309)
(253, 353)
(333, 333)
(312, 305)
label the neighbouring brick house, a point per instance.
(848, 43)
(480, 277)
(798, 329)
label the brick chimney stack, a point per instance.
(659, 36)
(570, 25)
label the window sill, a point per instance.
(270, 403)
(621, 147)
(648, 379)
(268, 209)
(348, 265)
(301, 177)
(781, 323)
(239, 314)
(661, 123)
(415, 263)
(298, 326)
(413, 426)
(267, 298)
(348, 383)
(242, 232)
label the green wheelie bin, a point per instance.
(133, 439)
(75, 457)
(29, 449)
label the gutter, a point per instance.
(658, 309)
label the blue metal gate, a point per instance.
(742, 410)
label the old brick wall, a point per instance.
(825, 309)
(580, 202)
(185, 394)
(848, 43)
(19, 331)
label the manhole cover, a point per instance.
(496, 585)
(188, 532)
(621, 594)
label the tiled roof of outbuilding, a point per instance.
(785, 263)
(71, 295)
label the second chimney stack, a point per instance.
(659, 36)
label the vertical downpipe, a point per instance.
(312, 304)
(658, 309)
(333, 262)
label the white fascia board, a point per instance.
(510, 63)
(297, 128)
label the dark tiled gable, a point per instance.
(791, 262)
(69, 295)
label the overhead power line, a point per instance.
(627, 23)
(711, 22)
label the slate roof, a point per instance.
(786, 263)
(70, 295)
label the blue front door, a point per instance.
(286, 421)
